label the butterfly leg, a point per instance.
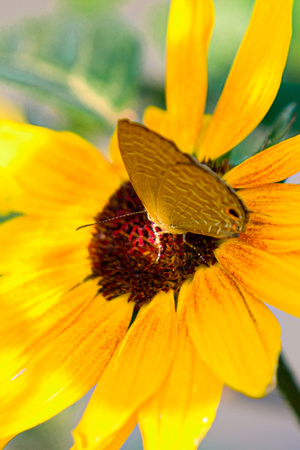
(157, 241)
(194, 248)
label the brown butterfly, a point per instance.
(180, 194)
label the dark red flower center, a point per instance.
(130, 254)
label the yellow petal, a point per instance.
(136, 371)
(164, 124)
(254, 79)
(180, 413)
(4, 441)
(58, 172)
(9, 190)
(205, 124)
(116, 157)
(36, 310)
(236, 335)
(271, 236)
(280, 202)
(67, 368)
(159, 121)
(42, 244)
(275, 218)
(269, 166)
(80, 442)
(189, 31)
(274, 279)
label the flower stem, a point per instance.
(288, 386)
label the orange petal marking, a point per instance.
(269, 166)
(236, 335)
(280, 202)
(269, 235)
(37, 310)
(272, 278)
(275, 219)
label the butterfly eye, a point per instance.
(233, 213)
(236, 228)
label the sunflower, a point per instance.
(158, 336)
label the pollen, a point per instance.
(130, 254)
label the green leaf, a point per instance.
(9, 216)
(281, 125)
(263, 136)
(85, 6)
(80, 64)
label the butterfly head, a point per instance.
(237, 218)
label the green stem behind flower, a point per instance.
(288, 385)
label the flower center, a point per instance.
(130, 254)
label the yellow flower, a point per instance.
(165, 371)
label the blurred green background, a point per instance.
(80, 65)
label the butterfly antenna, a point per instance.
(111, 219)
(260, 214)
(87, 225)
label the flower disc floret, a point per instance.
(130, 254)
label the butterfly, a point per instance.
(179, 194)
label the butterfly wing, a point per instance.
(192, 198)
(179, 194)
(147, 156)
